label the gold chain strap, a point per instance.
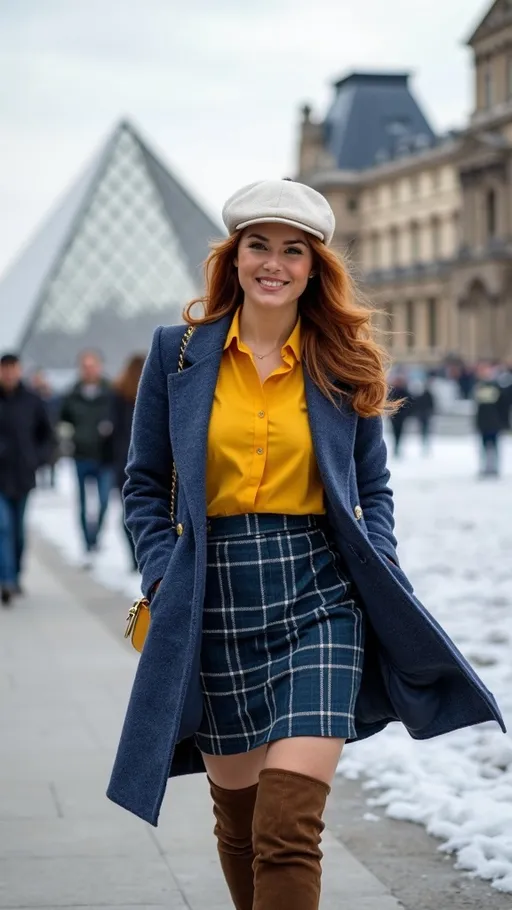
(174, 482)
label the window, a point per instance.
(415, 242)
(409, 323)
(491, 214)
(432, 326)
(415, 185)
(488, 86)
(352, 204)
(375, 251)
(395, 247)
(509, 78)
(436, 239)
(390, 313)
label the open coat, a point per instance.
(412, 671)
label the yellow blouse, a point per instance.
(260, 453)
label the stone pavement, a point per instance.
(65, 675)
(64, 682)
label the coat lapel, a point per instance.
(190, 403)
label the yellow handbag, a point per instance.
(137, 621)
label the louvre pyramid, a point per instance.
(122, 253)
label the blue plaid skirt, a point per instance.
(283, 634)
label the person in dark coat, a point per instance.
(489, 418)
(124, 393)
(281, 624)
(423, 408)
(53, 403)
(86, 415)
(26, 439)
(399, 391)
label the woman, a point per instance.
(281, 623)
(124, 393)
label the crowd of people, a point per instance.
(91, 423)
(488, 385)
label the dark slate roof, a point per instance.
(374, 118)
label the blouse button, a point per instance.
(259, 451)
(261, 413)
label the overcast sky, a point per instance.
(215, 85)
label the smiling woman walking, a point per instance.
(281, 623)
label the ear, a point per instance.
(235, 262)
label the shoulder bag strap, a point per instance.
(174, 482)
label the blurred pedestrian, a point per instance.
(86, 411)
(489, 418)
(123, 403)
(26, 438)
(39, 383)
(423, 407)
(399, 391)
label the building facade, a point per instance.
(426, 220)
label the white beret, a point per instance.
(281, 201)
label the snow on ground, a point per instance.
(455, 543)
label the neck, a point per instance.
(262, 328)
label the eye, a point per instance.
(256, 245)
(295, 250)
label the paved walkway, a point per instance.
(64, 682)
(65, 674)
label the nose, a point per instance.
(272, 264)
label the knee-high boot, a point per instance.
(233, 810)
(287, 830)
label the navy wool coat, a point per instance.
(412, 673)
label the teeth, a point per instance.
(271, 284)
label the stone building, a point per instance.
(426, 219)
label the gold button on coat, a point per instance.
(358, 512)
(179, 529)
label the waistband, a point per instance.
(258, 524)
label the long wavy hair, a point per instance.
(339, 345)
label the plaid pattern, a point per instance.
(283, 635)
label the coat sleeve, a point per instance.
(44, 436)
(147, 490)
(376, 497)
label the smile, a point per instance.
(271, 283)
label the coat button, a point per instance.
(358, 512)
(179, 529)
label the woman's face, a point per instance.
(274, 263)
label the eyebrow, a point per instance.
(285, 242)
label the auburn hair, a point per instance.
(339, 347)
(127, 382)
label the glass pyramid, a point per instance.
(122, 254)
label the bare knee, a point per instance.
(315, 756)
(235, 772)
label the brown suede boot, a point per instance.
(234, 810)
(287, 830)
